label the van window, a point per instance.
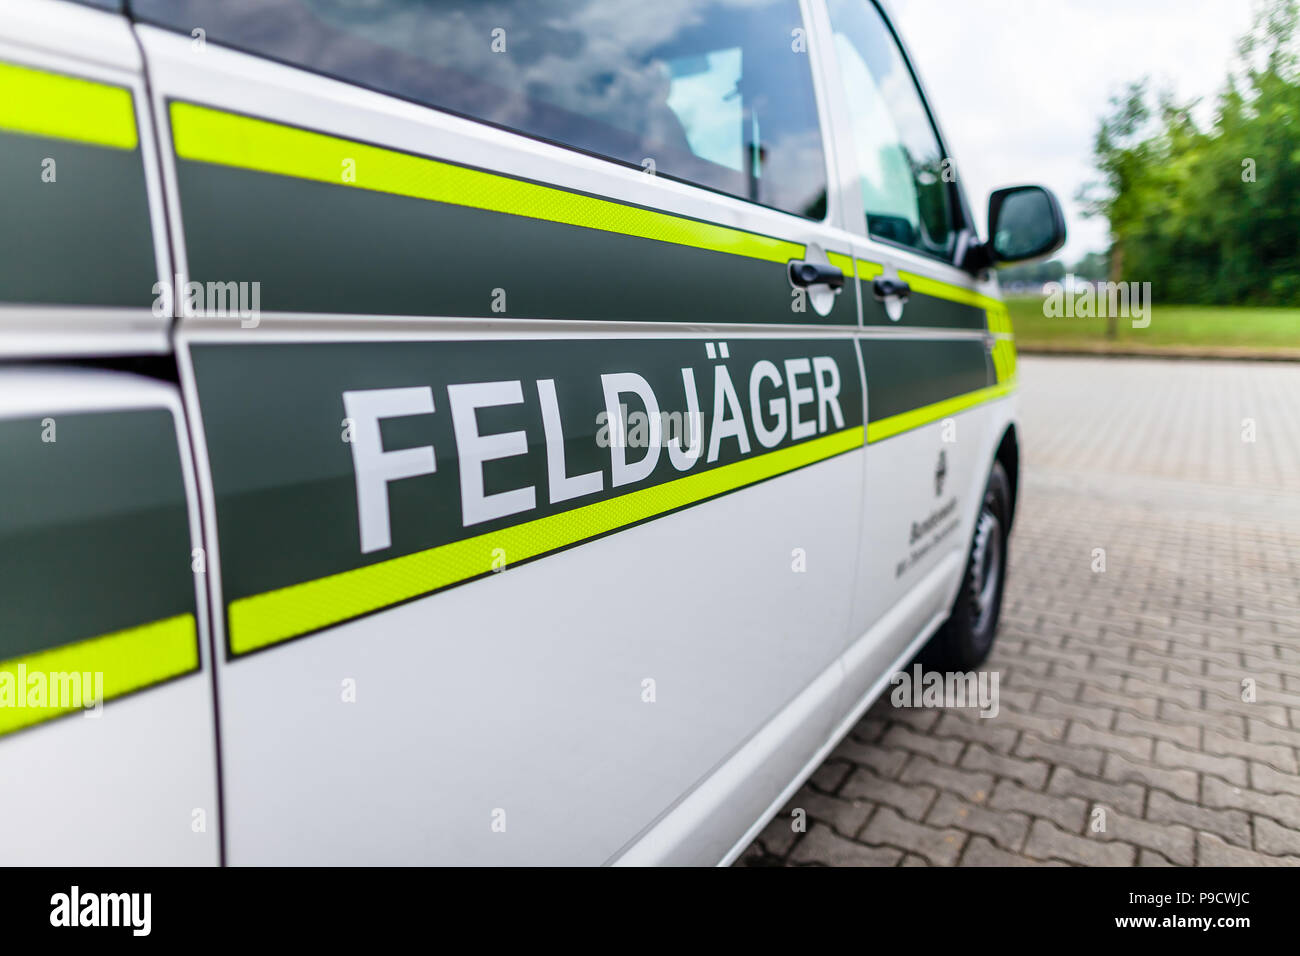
(906, 196)
(713, 92)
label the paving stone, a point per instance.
(844, 815)
(1232, 825)
(939, 846)
(1085, 760)
(822, 845)
(1181, 783)
(1032, 773)
(1173, 841)
(1281, 807)
(1275, 839)
(1007, 829)
(975, 787)
(885, 761)
(1081, 735)
(986, 732)
(1048, 841)
(1049, 728)
(1148, 858)
(1100, 717)
(1119, 701)
(1185, 734)
(1198, 716)
(937, 748)
(1212, 851)
(980, 851)
(912, 800)
(1069, 812)
(1232, 769)
(918, 718)
(1259, 731)
(1127, 797)
(1268, 780)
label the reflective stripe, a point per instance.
(1004, 359)
(214, 136)
(65, 107)
(844, 262)
(924, 285)
(999, 319)
(266, 619)
(869, 270)
(906, 421)
(128, 660)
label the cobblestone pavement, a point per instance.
(1121, 691)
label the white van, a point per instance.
(477, 433)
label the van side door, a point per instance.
(926, 346)
(535, 483)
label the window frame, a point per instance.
(962, 222)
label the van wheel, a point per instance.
(965, 639)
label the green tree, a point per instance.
(1209, 216)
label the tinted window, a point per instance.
(715, 92)
(900, 163)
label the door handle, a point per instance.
(804, 274)
(884, 288)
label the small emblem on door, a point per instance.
(940, 473)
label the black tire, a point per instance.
(965, 639)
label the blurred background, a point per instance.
(1170, 129)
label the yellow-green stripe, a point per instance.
(999, 319)
(1004, 359)
(924, 285)
(39, 103)
(266, 619)
(906, 421)
(844, 262)
(128, 660)
(868, 270)
(214, 136)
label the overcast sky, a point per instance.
(1019, 85)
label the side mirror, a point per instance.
(1025, 222)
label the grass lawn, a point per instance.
(1178, 326)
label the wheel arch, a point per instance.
(1008, 454)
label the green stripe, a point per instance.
(128, 660)
(897, 424)
(214, 136)
(265, 619)
(38, 103)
